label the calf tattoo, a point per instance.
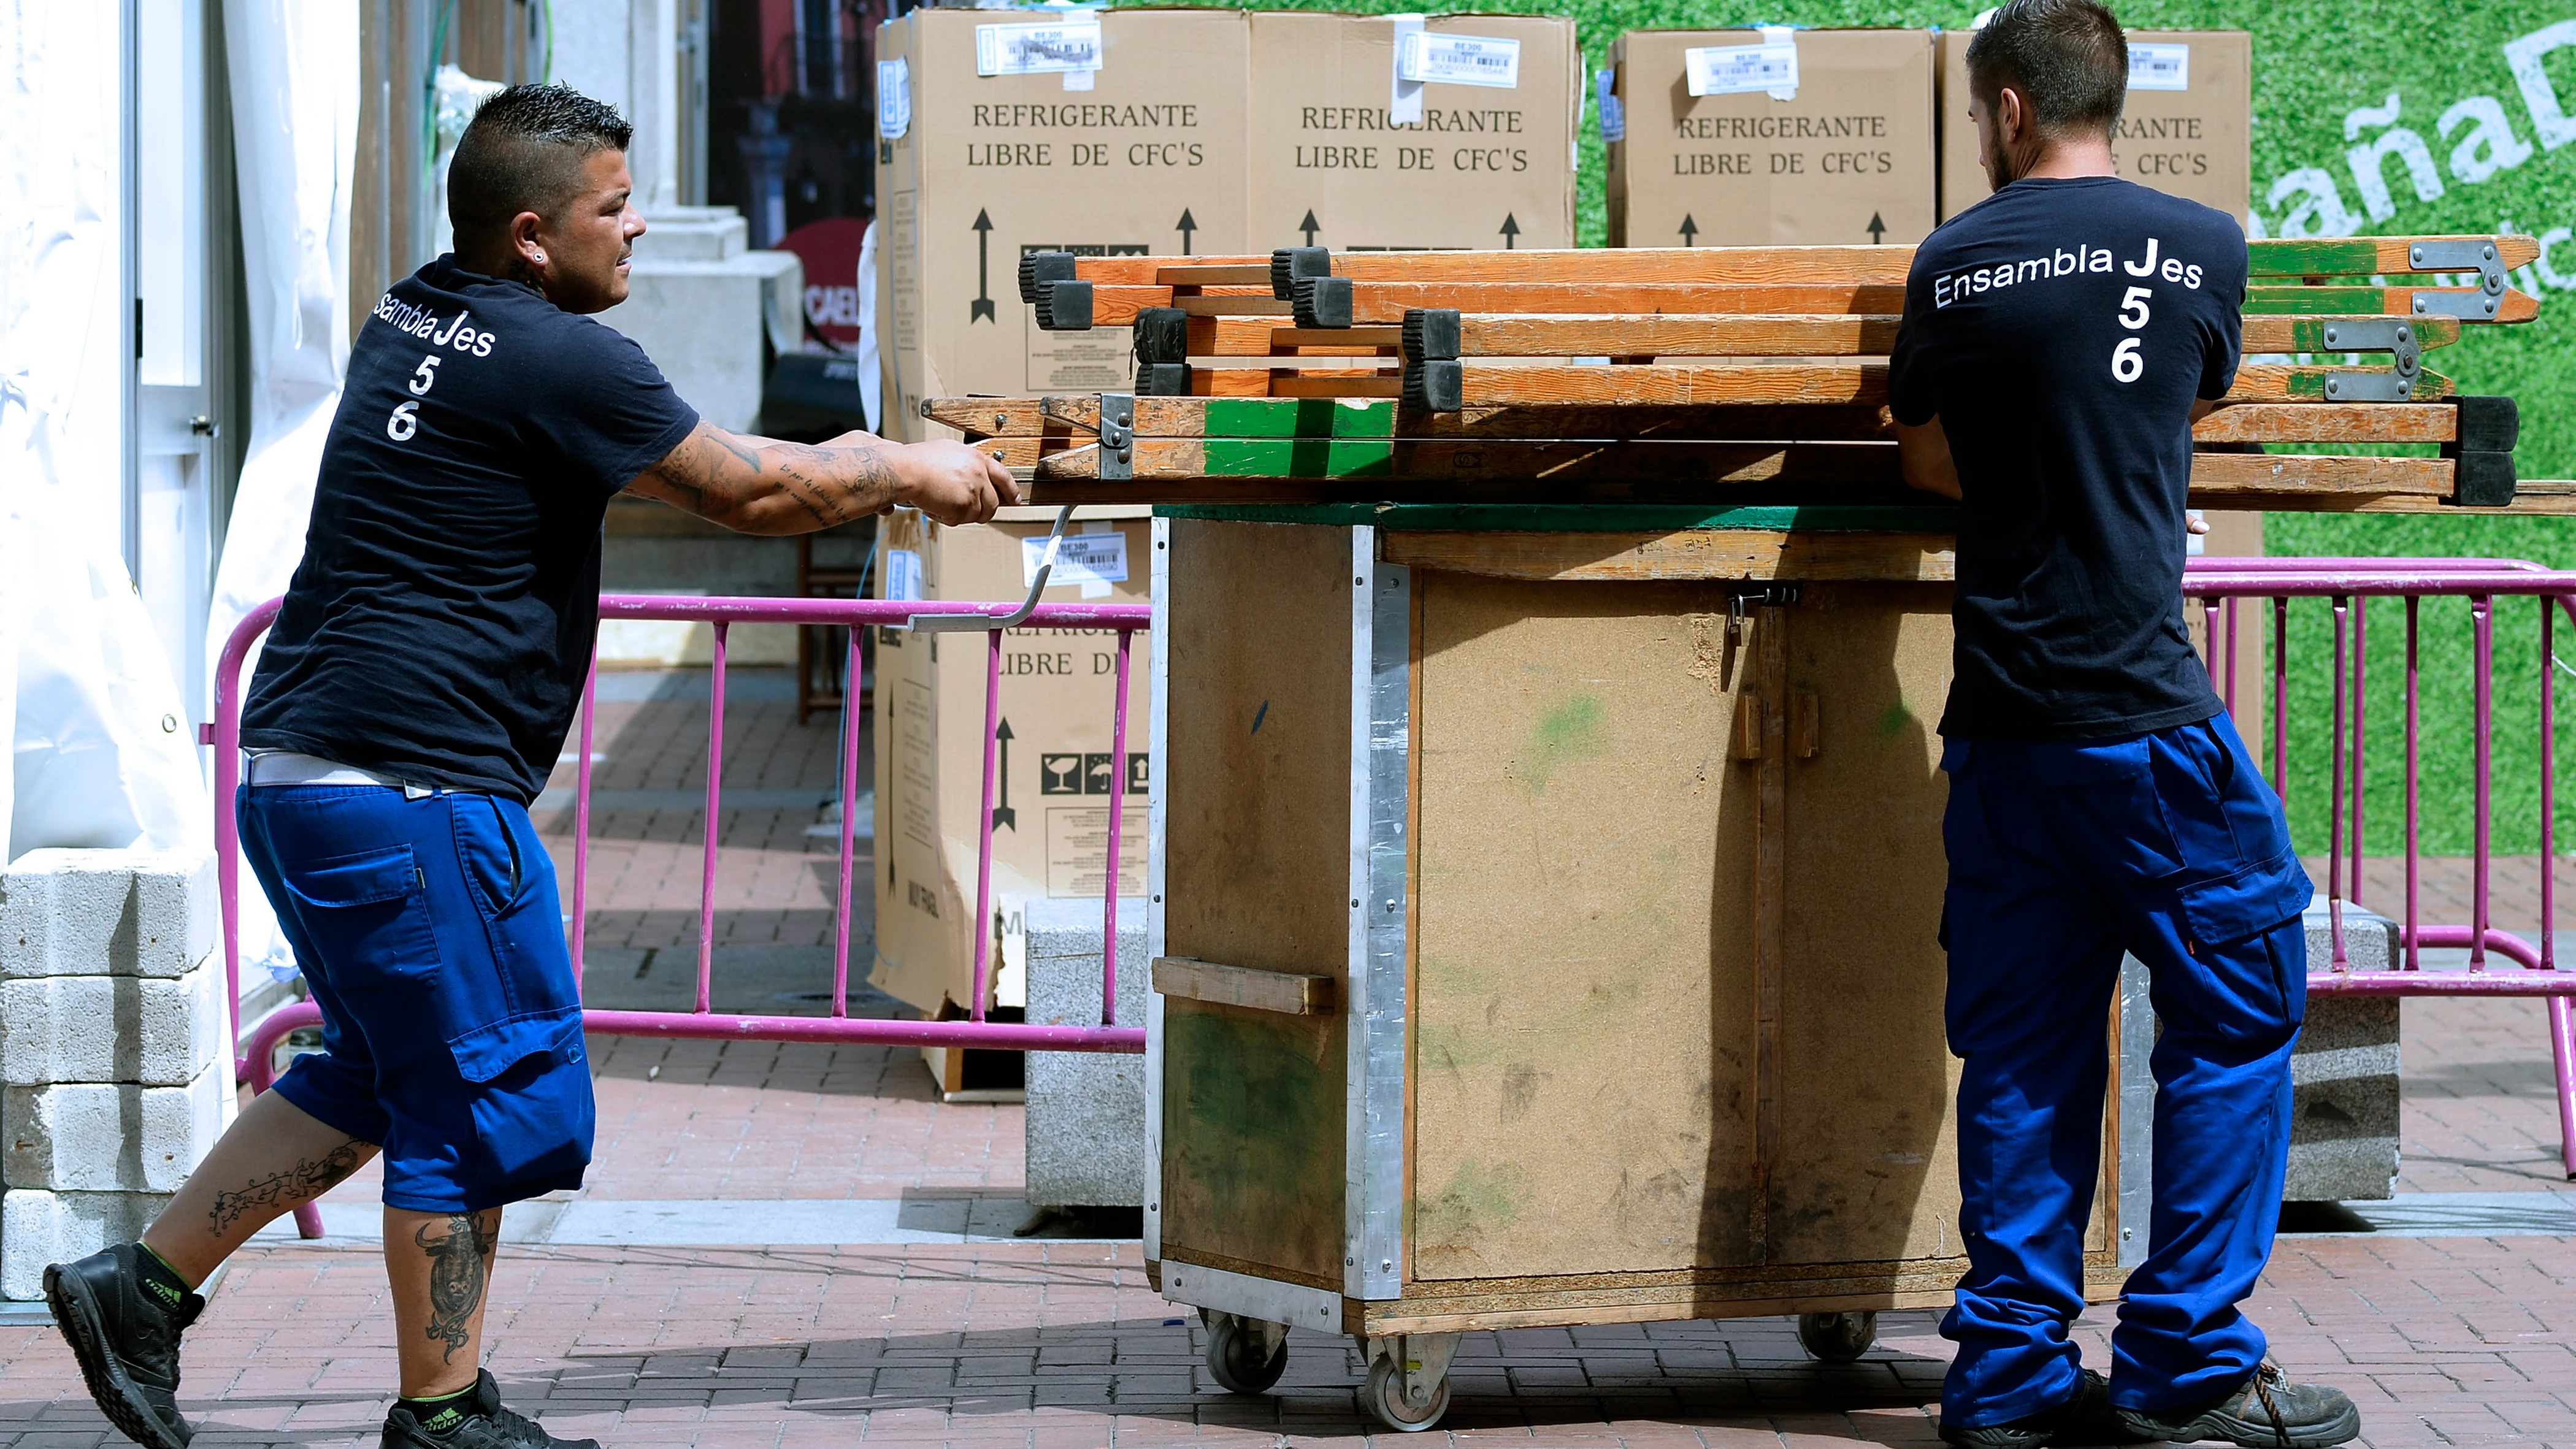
(457, 1269)
(308, 1178)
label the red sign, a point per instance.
(830, 250)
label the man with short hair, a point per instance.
(411, 701)
(2059, 339)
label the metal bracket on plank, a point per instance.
(1117, 435)
(1744, 598)
(2392, 335)
(2470, 255)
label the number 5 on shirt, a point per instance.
(424, 376)
(2135, 300)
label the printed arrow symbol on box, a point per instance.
(1690, 229)
(1185, 226)
(1003, 815)
(1877, 228)
(1511, 230)
(982, 307)
(1309, 227)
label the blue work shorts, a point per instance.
(429, 933)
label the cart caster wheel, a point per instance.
(1838, 1337)
(1383, 1396)
(1235, 1356)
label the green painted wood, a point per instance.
(1299, 417)
(1582, 517)
(2313, 257)
(2318, 301)
(2308, 384)
(2308, 334)
(1298, 457)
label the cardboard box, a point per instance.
(1843, 156)
(1143, 154)
(1051, 804)
(1483, 166)
(2195, 141)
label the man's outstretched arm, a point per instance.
(761, 485)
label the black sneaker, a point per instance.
(127, 1341)
(2267, 1411)
(2086, 1418)
(481, 1424)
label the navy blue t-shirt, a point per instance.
(441, 622)
(2060, 330)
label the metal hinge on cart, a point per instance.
(2392, 335)
(1117, 435)
(1744, 598)
(2468, 255)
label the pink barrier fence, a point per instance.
(2229, 588)
(259, 1045)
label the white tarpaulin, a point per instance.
(295, 120)
(102, 755)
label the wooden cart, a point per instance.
(1544, 904)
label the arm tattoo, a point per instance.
(308, 1178)
(458, 1265)
(715, 475)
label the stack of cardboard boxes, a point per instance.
(1123, 132)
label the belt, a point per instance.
(286, 767)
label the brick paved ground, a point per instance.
(2445, 1341)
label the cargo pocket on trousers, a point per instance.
(2257, 978)
(368, 919)
(533, 1113)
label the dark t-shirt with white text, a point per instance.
(440, 624)
(2060, 330)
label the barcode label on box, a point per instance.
(1614, 116)
(1726, 70)
(2159, 67)
(1460, 60)
(1037, 49)
(902, 574)
(894, 98)
(1080, 558)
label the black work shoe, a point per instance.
(2086, 1418)
(2267, 1411)
(479, 1422)
(127, 1341)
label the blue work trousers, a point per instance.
(2170, 847)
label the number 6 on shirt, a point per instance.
(404, 422)
(2126, 363)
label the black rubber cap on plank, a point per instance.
(1434, 386)
(2487, 425)
(2482, 480)
(1064, 306)
(1289, 263)
(1430, 334)
(1322, 301)
(1039, 268)
(1162, 335)
(1162, 379)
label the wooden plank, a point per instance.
(1678, 384)
(1771, 910)
(1286, 992)
(2374, 301)
(2217, 478)
(1212, 274)
(1698, 266)
(2272, 382)
(1189, 417)
(987, 417)
(1675, 336)
(1321, 384)
(1220, 306)
(2329, 423)
(1135, 271)
(1257, 824)
(2364, 256)
(1709, 553)
(2276, 332)
(1433, 460)
(1385, 303)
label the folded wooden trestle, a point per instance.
(1752, 374)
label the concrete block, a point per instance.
(2343, 1076)
(154, 1033)
(107, 913)
(37, 1228)
(702, 323)
(1086, 1142)
(91, 1137)
(692, 234)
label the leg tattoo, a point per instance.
(456, 1272)
(308, 1178)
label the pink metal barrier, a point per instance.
(259, 1046)
(2225, 588)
